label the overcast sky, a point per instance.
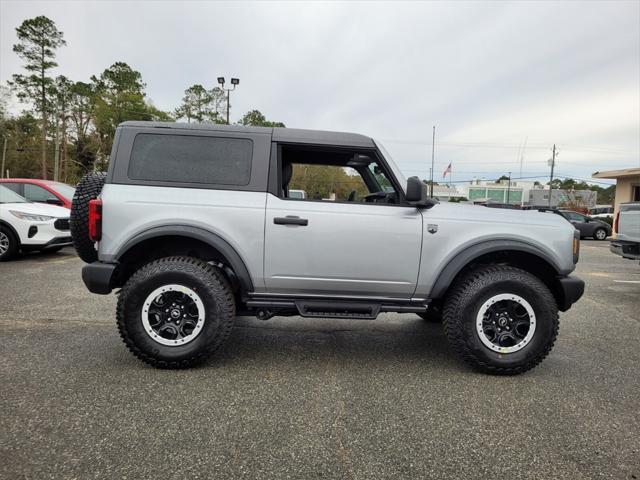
(489, 75)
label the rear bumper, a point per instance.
(571, 289)
(626, 249)
(97, 277)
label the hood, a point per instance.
(479, 213)
(38, 209)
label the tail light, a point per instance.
(576, 246)
(615, 223)
(95, 219)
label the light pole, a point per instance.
(234, 82)
(509, 190)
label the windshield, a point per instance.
(9, 196)
(396, 171)
(63, 189)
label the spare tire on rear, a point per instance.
(88, 189)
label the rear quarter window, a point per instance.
(191, 159)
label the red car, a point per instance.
(41, 191)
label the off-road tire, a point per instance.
(595, 234)
(88, 189)
(14, 244)
(433, 314)
(210, 285)
(464, 302)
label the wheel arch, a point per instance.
(511, 252)
(11, 229)
(170, 240)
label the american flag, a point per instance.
(447, 170)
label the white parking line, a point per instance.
(627, 281)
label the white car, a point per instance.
(27, 226)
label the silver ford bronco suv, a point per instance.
(194, 225)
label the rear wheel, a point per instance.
(600, 234)
(501, 320)
(175, 312)
(8, 243)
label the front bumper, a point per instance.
(42, 235)
(630, 250)
(571, 289)
(97, 277)
(53, 243)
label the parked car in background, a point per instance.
(299, 194)
(41, 191)
(627, 228)
(588, 226)
(27, 226)
(601, 211)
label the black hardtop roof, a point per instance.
(285, 135)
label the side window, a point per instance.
(575, 217)
(16, 187)
(191, 159)
(334, 174)
(326, 182)
(381, 178)
(37, 194)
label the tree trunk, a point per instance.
(64, 151)
(43, 111)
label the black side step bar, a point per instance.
(339, 309)
(328, 308)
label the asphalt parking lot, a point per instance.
(305, 398)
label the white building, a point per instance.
(490, 191)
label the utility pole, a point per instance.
(433, 150)
(524, 146)
(509, 190)
(4, 154)
(553, 164)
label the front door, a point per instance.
(343, 239)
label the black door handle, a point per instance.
(291, 220)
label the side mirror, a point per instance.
(415, 190)
(54, 201)
(417, 195)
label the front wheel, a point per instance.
(501, 320)
(175, 312)
(8, 243)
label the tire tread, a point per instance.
(89, 188)
(217, 284)
(462, 293)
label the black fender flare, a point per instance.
(470, 253)
(235, 261)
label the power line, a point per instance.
(574, 147)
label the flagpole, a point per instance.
(433, 150)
